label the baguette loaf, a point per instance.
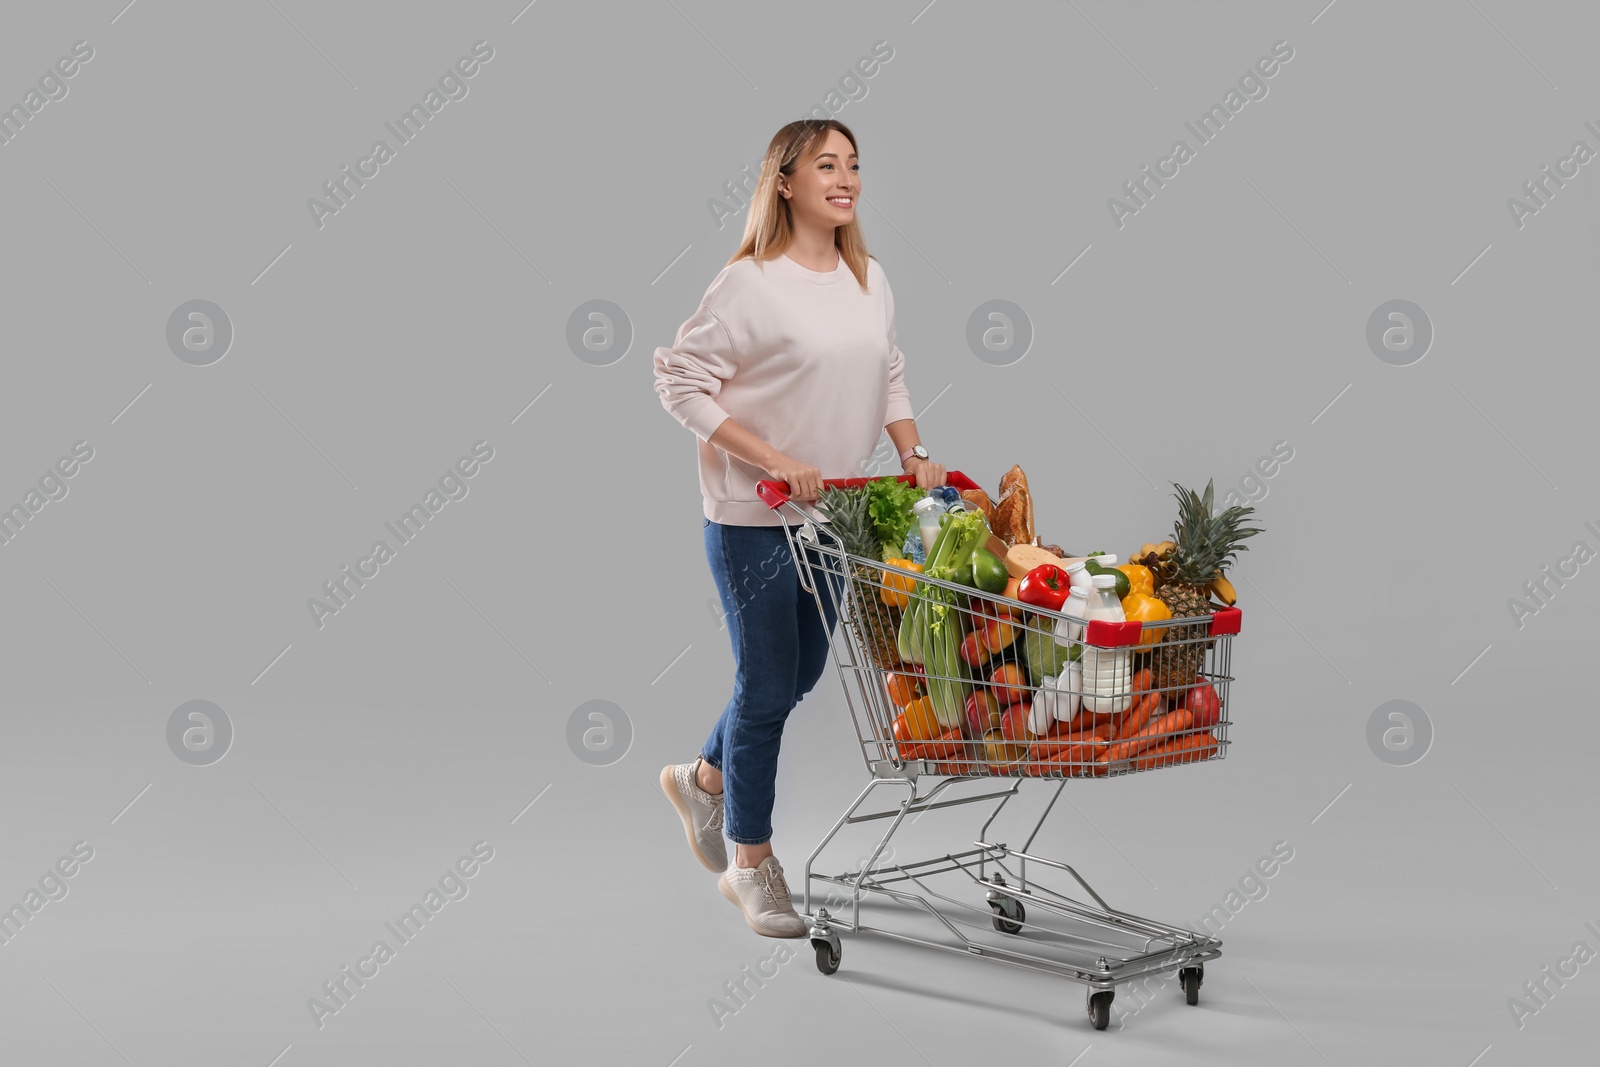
(1008, 516)
(1022, 521)
(1012, 479)
(1015, 524)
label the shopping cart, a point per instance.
(967, 892)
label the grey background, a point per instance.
(367, 356)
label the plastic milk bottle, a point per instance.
(1107, 672)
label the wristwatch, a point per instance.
(914, 450)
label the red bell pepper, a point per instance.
(1046, 586)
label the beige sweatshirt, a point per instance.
(804, 360)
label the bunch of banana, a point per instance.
(1157, 556)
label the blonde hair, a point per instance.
(769, 226)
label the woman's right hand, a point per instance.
(805, 481)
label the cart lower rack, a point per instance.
(1036, 705)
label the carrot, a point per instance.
(1069, 752)
(1072, 761)
(1161, 730)
(1081, 759)
(945, 746)
(1137, 716)
(1185, 749)
(1061, 734)
(1197, 747)
(1059, 747)
(1095, 718)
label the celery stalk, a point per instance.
(911, 638)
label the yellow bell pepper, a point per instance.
(897, 588)
(1142, 607)
(920, 723)
(1140, 580)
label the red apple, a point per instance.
(983, 712)
(1009, 684)
(973, 650)
(998, 633)
(1204, 704)
(1014, 723)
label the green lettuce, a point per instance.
(889, 508)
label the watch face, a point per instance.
(919, 452)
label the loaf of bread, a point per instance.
(980, 498)
(1014, 513)
(1012, 479)
(1008, 516)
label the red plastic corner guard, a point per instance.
(776, 494)
(1226, 621)
(1107, 634)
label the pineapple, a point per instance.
(851, 522)
(1206, 544)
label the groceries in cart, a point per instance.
(996, 654)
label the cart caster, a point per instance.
(1009, 915)
(1099, 1004)
(827, 956)
(1191, 978)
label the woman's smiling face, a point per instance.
(824, 189)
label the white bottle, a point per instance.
(927, 512)
(1079, 577)
(1077, 606)
(1043, 711)
(1068, 693)
(1107, 672)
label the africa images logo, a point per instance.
(347, 982)
(452, 486)
(1253, 86)
(452, 86)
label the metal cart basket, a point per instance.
(1073, 933)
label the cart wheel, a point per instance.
(1190, 977)
(1100, 1008)
(827, 958)
(1008, 917)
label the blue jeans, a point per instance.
(780, 647)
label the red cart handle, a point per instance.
(776, 493)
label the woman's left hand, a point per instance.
(928, 473)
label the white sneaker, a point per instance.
(762, 894)
(700, 811)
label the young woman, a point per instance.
(788, 370)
